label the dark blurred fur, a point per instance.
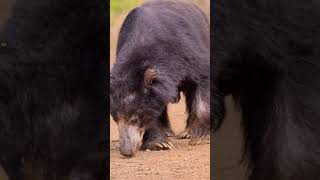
(52, 90)
(171, 37)
(266, 54)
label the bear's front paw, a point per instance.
(156, 145)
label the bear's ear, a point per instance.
(151, 76)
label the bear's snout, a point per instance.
(130, 137)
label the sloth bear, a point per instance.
(163, 49)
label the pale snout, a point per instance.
(130, 138)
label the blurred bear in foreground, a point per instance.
(52, 89)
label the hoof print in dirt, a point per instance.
(163, 50)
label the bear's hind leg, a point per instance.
(164, 119)
(198, 122)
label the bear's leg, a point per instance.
(164, 119)
(198, 122)
(156, 137)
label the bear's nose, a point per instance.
(129, 144)
(128, 152)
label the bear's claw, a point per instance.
(184, 134)
(155, 146)
(161, 146)
(196, 136)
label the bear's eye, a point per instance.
(134, 120)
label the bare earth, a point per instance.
(184, 162)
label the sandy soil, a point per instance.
(184, 162)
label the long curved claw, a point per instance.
(166, 145)
(184, 134)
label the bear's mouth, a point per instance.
(130, 138)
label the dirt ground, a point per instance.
(184, 162)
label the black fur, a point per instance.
(52, 90)
(171, 37)
(266, 54)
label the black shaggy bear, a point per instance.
(52, 89)
(163, 49)
(266, 53)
